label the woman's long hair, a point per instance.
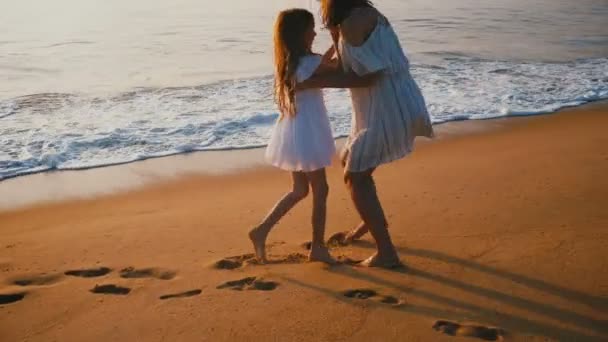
(333, 12)
(289, 47)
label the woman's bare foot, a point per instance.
(384, 262)
(351, 237)
(357, 233)
(258, 239)
(338, 239)
(348, 237)
(320, 253)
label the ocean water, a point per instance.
(93, 83)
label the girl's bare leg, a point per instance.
(318, 183)
(259, 234)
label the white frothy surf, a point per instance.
(58, 131)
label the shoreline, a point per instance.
(257, 147)
(64, 185)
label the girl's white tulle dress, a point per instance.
(303, 142)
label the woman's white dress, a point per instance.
(303, 142)
(388, 115)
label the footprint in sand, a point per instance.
(390, 300)
(233, 262)
(360, 293)
(340, 259)
(11, 298)
(249, 283)
(238, 261)
(368, 294)
(291, 258)
(478, 331)
(111, 289)
(131, 272)
(36, 280)
(335, 240)
(185, 294)
(89, 272)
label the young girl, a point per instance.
(301, 141)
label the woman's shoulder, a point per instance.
(357, 27)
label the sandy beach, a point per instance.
(503, 228)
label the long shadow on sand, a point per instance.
(492, 317)
(476, 312)
(594, 302)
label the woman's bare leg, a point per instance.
(320, 190)
(364, 195)
(259, 234)
(360, 230)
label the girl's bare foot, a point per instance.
(384, 262)
(258, 239)
(320, 253)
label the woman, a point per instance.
(387, 115)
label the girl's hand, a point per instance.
(328, 57)
(335, 34)
(335, 37)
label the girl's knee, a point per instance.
(299, 193)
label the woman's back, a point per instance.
(388, 115)
(374, 47)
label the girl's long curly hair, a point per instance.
(289, 47)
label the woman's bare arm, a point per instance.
(339, 79)
(359, 25)
(354, 30)
(328, 77)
